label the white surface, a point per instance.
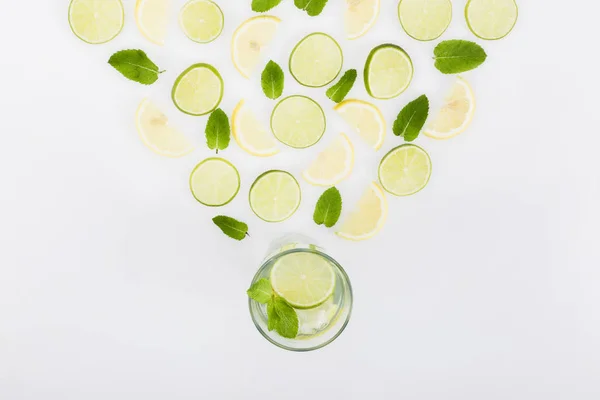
(114, 284)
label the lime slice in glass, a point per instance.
(425, 19)
(304, 280)
(491, 19)
(316, 60)
(405, 170)
(214, 182)
(201, 20)
(275, 196)
(96, 21)
(198, 90)
(388, 71)
(298, 121)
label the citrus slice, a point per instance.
(316, 60)
(366, 119)
(298, 121)
(315, 320)
(388, 71)
(250, 134)
(250, 40)
(201, 20)
(304, 280)
(369, 216)
(333, 164)
(360, 16)
(198, 90)
(275, 196)
(151, 17)
(96, 21)
(491, 19)
(214, 182)
(425, 19)
(405, 170)
(455, 115)
(156, 133)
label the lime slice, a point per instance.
(298, 121)
(405, 170)
(425, 19)
(316, 60)
(491, 19)
(304, 280)
(214, 182)
(388, 71)
(201, 20)
(152, 19)
(96, 21)
(198, 90)
(275, 196)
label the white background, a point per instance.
(114, 284)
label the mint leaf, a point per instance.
(312, 7)
(271, 80)
(264, 5)
(272, 316)
(286, 321)
(456, 56)
(412, 118)
(217, 130)
(261, 291)
(338, 91)
(329, 208)
(135, 65)
(231, 227)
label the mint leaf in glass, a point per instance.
(231, 227)
(286, 321)
(218, 131)
(339, 91)
(264, 5)
(261, 291)
(456, 56)
(312, 7)
(272, 80)
(135, 65)
(412, 118)
(329, 208)
(272, 316)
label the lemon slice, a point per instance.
(152, 17)
(214, 182)
(298, 121)
(201, 20)
(366, 119)
(405, 170)
(369, 216)
(250, 40)
(316, 60)
(456, 114)
(388, 71)
(198, 90)
(96, 21)
(360, 16)
(491, 19)
(275, 196)
(250, 134)
(156, 133)
(425, 19)
(333, 164)
(304, 280)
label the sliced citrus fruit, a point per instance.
(425, 19)
(360, 16)
(315, 320)
(214, 182)
(201, 20)
(405, 170)
(198, 90)
(298, 121)
(491, 19)
(369, 216)
(316, 60)
(96, 21)
(455, 115)
(333, 164)
(156, 133)
(388, 71)
(250, 40)
(366, 119)
(152, 18)
(275, 196)
(250, 134)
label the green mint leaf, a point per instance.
(456, 56)
(329, 208)
(287, 320)
(135, 65)
(264, 5)
(261, 291)
(272, 317)
(218, 131)
(231, 227)
(338, 91)
(312, 7)
(271, 80)
(412, 118)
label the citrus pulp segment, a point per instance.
(388, 71)
(214, 182)
(491, 19)
(201, 20)
(455, 115)
(425, 19)
(250, 134)
(333, 164)
(250, 40)
(368, 217)
(275, 196)
(366, 119)
(405, 170)
(152, 18)
(316, 60)
(298, 121)
(198, 90)
(96, 21)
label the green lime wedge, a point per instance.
(425, 19)
(491, 19)
(275, 196)
(201, 20)
(316, 60)
(304, 280)
(298, 121)
(198, 90)
(405, 170)
(96, 21)
(214, 182)
(388, 71)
